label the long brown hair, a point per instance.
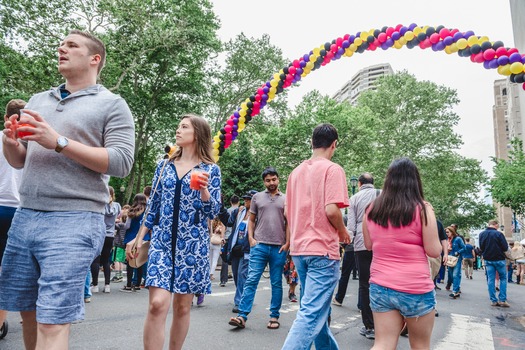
(402, 194)
(138, 206)
(202, 135)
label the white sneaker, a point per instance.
(94, 289)
(107, 289)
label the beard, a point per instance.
(272, 188)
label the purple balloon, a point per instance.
(403, 30)
(503, 60)
(395, 35)
(234, 133)
(389, 42)
(523, 59)
(440, 46)
(345, 44)
(434, 47)
(263, 103)
(299, 71)
(358, 34)
(235, 126)
(486, 64)
(515, 57)
(384, 46)
(306, 57)
(336, 56)
(457, 36)
(297, 76)
(493, 63)
(266, 89)
(236, 114)
(340, 51)
(448, 41)
(351, 39)
(264, 97)
(412, 26)
(268, 84)
(468, 34)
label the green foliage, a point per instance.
(508, 183)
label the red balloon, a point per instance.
(434, 38)
(296, 64)
(257, 98)
(489, 54)
(398, 27)
(329, 56)
(478, 58)
(260, 91)
(256, 105)
(339, 42)
(511, 51)
(333, 48)
(453, 31)
(501, 51)
(346, 37)
(371, 47)
(229, 122)
(227, 136)
(443, 33)
(292, 70)
(523, 86)
(389, 31)
(382, 37)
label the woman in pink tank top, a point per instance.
(401, 230)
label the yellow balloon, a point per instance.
(402, 40)
(240, 126)
(215, 151)
(216, 139)
(242, 112)
(349, 53)
(417, 30)
(242, 119)
(453, 48)
(409, 36)
(516, 67)
(244, 106)
(462, 43)
(316, 51)
(273, 90)
(364, 35)
(277, 76)
(473, 40)
(504, 70)
(447, 50)
(397, 45)
(216, 158)
(312, 58)
(483, 39)
(358, 41)
(281, 72)
(309, 65)
(274, 82)
(353, 47)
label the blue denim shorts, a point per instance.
(384, 299)
(46, 261)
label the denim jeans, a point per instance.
(240, 272)
(499, 267)
(318, 276)
(456, 276)
(87, 286)
(260, 255)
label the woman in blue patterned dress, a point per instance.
(178, 258)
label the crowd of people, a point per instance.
(70, 140)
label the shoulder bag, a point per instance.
(451, 260)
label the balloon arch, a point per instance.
(493, 55)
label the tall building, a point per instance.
(363, 80)
(501, 117)
(517, 13)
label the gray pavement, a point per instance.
(115, 321)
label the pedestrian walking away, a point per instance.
(316, 193)
(69, 140)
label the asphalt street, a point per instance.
(115, 321)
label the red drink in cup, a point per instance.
(21, 134)
(195, 183)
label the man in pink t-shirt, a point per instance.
(315, 194)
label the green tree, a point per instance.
(508, 184)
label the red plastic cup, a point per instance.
(195, 183)
(21, 134)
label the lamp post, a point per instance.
(353, 183)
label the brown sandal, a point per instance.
(238, 322)
(272, 323)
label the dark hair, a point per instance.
(138, 206)
(366, 178)
(402, 194)
(234, 199)
(147, 191)
(324, 135)
(95, 46)
(14, 107)
(269, 171)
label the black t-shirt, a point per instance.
(441, 231)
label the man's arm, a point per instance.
(333, 213)
(251, 229)
(286, 245)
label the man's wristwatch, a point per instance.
(62, 143)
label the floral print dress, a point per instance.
(178, 257)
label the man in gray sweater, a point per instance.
(80, 134)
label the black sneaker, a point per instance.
(370, 334)
(126, 289)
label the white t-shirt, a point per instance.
(9, 183)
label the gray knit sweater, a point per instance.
(93, 116)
